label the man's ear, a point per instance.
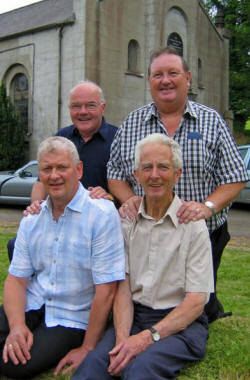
(188, 78)
(178, 174)
(80, 169)
(136, 175)
(103, 105)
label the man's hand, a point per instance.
(193, 211)
(17, 345)
(126, 350)
(34, 208)
(129, 209)
(73, 359)
(98, 192)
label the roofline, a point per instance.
(68, 21)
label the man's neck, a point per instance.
(171, 117)
(158, 208)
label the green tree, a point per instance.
(237, 21)
(12, 141)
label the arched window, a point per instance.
(20, 97)
(175, 41)
(133, 56)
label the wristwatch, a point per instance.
(155, 335)
(210, 205)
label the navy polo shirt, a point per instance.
(94, 153)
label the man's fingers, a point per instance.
(60, 365)
(29, 341)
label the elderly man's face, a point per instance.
(156, 172)
(86, 110)
(168, 81)
(59, 175)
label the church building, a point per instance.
(46, 48)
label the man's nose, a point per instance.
(83, 109)
(165, 78)
(54, 173)
(155, 172)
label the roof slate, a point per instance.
(42, 15)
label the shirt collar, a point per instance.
(76, 202)
(171, 211)
(190, 110)
(153, 112)
(102, 131)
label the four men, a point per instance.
(158, 311)
(213, 171)
(62, 278)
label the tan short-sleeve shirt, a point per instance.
(166, 259)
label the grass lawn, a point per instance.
(229, 343)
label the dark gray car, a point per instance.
(16, 186)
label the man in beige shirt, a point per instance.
(159, 323)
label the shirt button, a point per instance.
(54, 261)
(52, 283)
(49, 299)
(56, 239)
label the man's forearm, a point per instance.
(183, 315)
(120, 190)
(225, 194)
(123, 310)
(14, 300)
(99, 312)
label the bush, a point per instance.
(12, 132)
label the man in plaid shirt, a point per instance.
(213, 171)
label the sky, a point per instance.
(9, 5)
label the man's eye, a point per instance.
(173, 73)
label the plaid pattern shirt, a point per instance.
(210, 155)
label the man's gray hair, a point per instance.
(86, 81)
(159, 138)
(56, 144)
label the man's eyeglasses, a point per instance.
(91, 106)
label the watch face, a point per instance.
(156, 336)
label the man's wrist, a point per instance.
(211, 207)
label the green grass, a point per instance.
(228, 346)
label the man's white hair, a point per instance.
(86, 81)
(159, 138)
(57, 144)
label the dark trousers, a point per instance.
(219, 239)
(162, 360)
(10, 247)
(50, 345)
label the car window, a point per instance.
(243, 152)
(33, 169)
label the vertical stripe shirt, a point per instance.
(210, 155)
(65, 259)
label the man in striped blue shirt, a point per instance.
(63, 276)
(213, 171)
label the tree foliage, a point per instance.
(237, 21)
(12, 132)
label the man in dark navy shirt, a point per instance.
(92, 136)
